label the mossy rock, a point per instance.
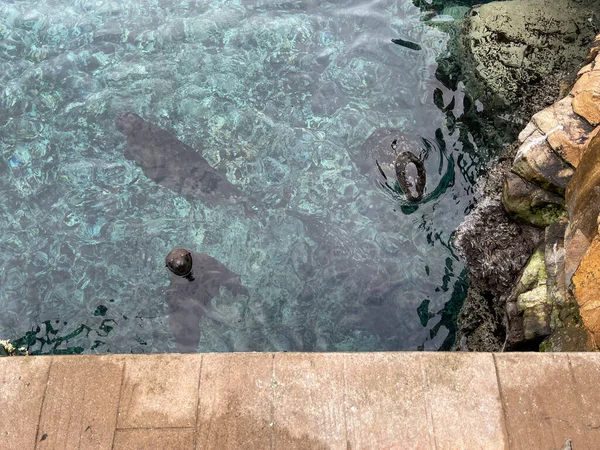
(7, 349)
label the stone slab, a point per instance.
(541, 402)
(159, 391)
(464, 401)
(385, 402)
(22, 386)
(155, 439)
(308, 401)
(81, 402)
(586, 373)
(235, 403)
(302, 401)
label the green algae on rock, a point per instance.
(527, 202)
(529, 316)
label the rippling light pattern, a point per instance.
(280, 96)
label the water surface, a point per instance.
(280, 96)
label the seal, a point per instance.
(379, 150)
(196, 279)
(411, 175)
(177, 166)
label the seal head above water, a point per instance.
(411, 175)
(179, 262)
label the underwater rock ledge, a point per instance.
(514, 58)
(532, 244)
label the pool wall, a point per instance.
(301, 401)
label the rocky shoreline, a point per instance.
(531, 242)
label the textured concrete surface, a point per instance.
(301, 401)
(81, 402)
(234, 406)
(159, 391)
(22, 387)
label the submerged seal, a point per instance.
(197, 278)
(175, 165)
(410, 173)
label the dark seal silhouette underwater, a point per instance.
(177, 166)
(196, 278)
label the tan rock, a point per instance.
(586, 289)
(587, 82)
(583, 206)
(536, 162)
(593, 54)
(566, 132)
(587, 105)
(576, 245)
(586, 93)
(585, 69)
(527, 131)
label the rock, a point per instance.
(585, 69)
(495, 247)
(572, 338)
(534, 274)
(555, 261)
(586, 289)
(576, 245)
(567, 133)
(529, 307)
(536, 162)
(588, 82)
(536, 308)
(514, 44)
(527, 131)
(587, 105)
(8, 349)
(481, 327)
(594, 51)
(527, 202)
(586, 92)
(583, 206)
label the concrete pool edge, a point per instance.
(301, 400)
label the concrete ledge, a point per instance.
(301, 401)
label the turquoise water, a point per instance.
(281, 96)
